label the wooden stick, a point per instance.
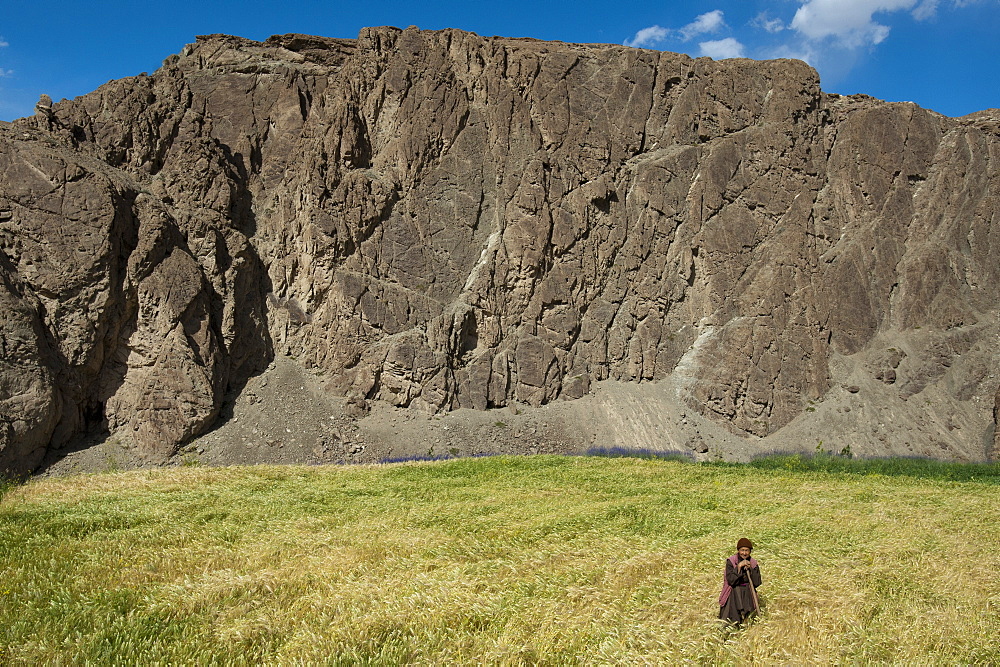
(753, 591)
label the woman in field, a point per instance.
(739, 589)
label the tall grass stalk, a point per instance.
(500, 560)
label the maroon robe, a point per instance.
(738, 600)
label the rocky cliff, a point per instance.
(442, 220)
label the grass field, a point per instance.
(528, 560)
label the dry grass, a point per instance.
(504, 560)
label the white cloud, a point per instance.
(818, 29)
(722, 48)
(925, 9)
(765, 22)
(655, 35)
(650, 36)
(4, 72)
(707, 22)
(851, 22)
(847, 21)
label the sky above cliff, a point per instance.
(940, 54)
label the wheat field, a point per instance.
(506, 560)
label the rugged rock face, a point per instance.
(442, 220)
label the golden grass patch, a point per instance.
(501, 560)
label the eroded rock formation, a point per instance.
(443, 220)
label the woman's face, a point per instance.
(744, 552)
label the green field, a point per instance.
(506, 560)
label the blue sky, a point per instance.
(941, 54)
